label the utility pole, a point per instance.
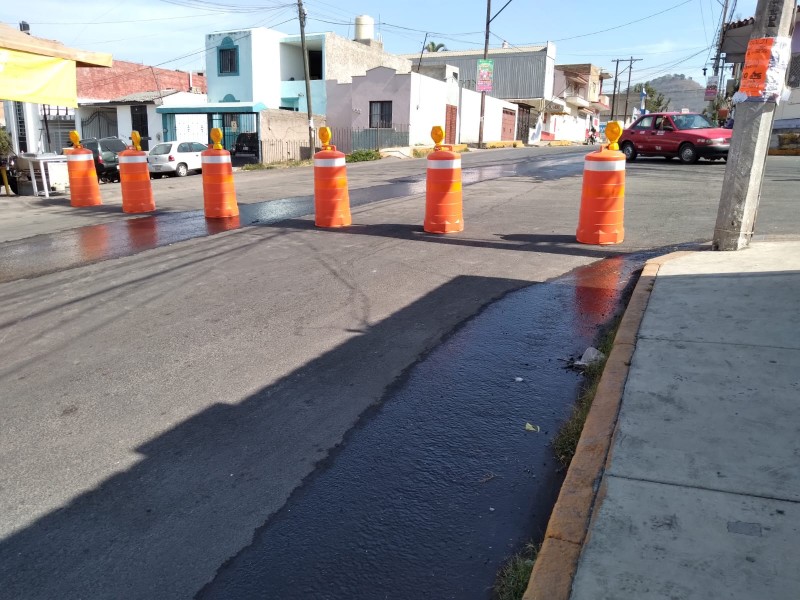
(744, 173)
(628, 89)
(485, 56)
(302, 15)
(489, 19)
(720, 40)
(616, 62)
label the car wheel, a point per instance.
(629, 150)
(688, 154)
(181, 170)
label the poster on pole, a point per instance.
(485, 75)
(764, 72)
(711, 89)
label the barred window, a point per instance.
(380, 115)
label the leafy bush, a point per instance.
(5, 142)
(362, 155)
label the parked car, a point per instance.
(175, 158)
(689, 136)
(246, 143)
(105, 152)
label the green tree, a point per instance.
(434, 47)
(5, 143)
(654, 102)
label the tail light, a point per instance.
(171, 158)
(100, 159)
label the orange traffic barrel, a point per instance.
(84, 189)
(219, 193)
(134, 177)
(331, 198)
(603, 198)
(443, 195)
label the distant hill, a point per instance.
(682, 91)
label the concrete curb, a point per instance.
(581, 492)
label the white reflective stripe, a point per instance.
(604, 165)
(444, 164)
(329, 162)
(79, 157)
(133, 159)
(219, 159)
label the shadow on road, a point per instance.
(527, 242)
(162, 528)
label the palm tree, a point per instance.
(434, 47)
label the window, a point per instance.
(228, 57)
(380, 115)
(184, 147)
(644, 123)
(199, 147)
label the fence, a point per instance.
(350, 140)
(345, 140)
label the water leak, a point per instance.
(39, 255)
(441, 482)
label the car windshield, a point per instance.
(691, 122)
(161, 149)
(112, 145)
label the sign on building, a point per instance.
(485, 75)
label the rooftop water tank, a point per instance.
(365, 27)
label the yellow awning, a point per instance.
(39, 79)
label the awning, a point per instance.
(213, 107)
(41, 71)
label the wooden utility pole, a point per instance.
(302, 15)
(744, 173)
(489, 19)
(485, 56)
(628, 89)
(614, 95)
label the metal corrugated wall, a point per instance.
(515, 76)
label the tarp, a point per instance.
(27, 77)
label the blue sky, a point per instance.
(170, 33)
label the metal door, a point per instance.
(509, 120)
(139, 123)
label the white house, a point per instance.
(403, 107)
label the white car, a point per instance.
(175, 158)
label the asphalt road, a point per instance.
(159, 408)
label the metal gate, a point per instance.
(58, 129)
(101, 123)
(523, 123)
(232, 124)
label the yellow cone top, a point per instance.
(613, 132)
(216, 137)
(76, 139)
(437, 134)
(325, 135)
(136, 139)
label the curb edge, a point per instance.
(581, 493)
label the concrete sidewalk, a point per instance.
(699, 495)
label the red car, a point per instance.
(689, 136)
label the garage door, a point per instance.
(509, 121)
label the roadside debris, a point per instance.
(534, 428)
(518, 379)
(590, 356)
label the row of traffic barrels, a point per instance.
(219, 193)
(600, 219)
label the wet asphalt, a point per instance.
(42, 254)
(442, 482)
